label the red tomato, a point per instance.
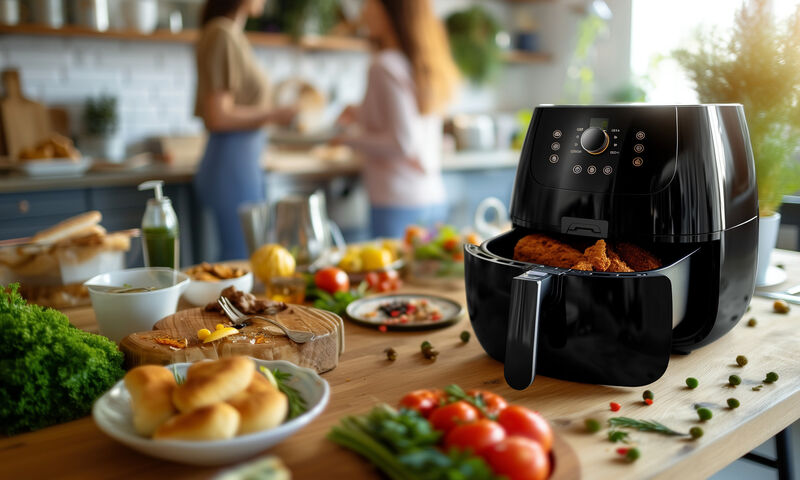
(423, 401)
(476, 436)
(373, 280)
(450, 416)
(414, 233)
(332, 280)
(450, 244)
(518, 458)
(494, 402)
(527, 423)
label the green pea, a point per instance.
(752, 322)
(696, 432)
(741, 360)
(771, 377)
(425, 345)
(647, 395)
(465, 336)
(592, 425)
(704, 414)
(733, 403)
(735, 380)
(692, 382)
(633, 454)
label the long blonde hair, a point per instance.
(423, 39)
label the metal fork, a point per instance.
(236, 316)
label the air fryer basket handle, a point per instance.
(527, 293)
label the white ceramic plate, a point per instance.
(360, 310)
(55, 167)
(112, 414)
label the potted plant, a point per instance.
(100, 123)
(472, 33)
(759, 67)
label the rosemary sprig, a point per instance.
(615, 436)
(297, 404)
(455, 393)
(642, 426)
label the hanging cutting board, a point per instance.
(25, 122)
(258, 340)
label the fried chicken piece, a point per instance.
(537, 248)
(584, 265)
(596, 255)
(247, 303)
(637, 258)
(617, 264)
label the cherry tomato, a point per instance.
(476, 436)
(373, 280)
(414, 232)
(388, 275)
(332, 280)
(447, 417)
(423, 401)
(494, 402)
(526, 423)
(450, 244)
(518, 458)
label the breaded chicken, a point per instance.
(596, 255)
(537, 248)
(617, 264)
(585, 265)
(637, 258)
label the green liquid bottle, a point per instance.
(161, 239)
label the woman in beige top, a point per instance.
(233, 101)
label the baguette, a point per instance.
(69, 228)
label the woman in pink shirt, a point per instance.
(411, 79)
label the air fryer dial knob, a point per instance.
(594, 140)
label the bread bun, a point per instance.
(67, 229)
(151, 389)
(260, 405)
(213, 382)
(218, 421)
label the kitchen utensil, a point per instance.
(201, 293)
(120, 314)
(49, 12)
(9, 12)
(92, 14)
(259, 339)
(141, 15)
(474, 132)
(678, 181)
(112, 414)
(362, 311)
(238, 317)
(25, 122)
(786, 297)
(301, 225)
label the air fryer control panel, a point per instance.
(628, 150)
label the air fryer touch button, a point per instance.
(553, 158)
(638, 148)
(556, 133)
(577, 169)
(607, 170)
(637, 162)
(640, 135)
(555, 145)
(591, 169)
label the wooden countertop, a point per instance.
(364, 377)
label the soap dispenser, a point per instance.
(160, 229)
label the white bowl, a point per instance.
(112, 414)
(202, 293)
(120, 314)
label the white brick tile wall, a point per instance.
(154, 82)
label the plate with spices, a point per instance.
(405, 312)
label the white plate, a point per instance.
(112, 414)
(55, 167)
(359, 311)
(774, 276)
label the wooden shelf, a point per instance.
(523, 57)
(318, 43)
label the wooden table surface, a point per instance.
(364, 377)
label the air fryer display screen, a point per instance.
(620, 150)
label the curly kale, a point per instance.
(50, 371)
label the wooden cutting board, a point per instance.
(25, 122)
(259, 339)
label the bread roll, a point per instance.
(212, 382)
(68, 228)
(260, 406)
(151, 389)
(218, 421)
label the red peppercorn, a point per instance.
(623, 450)
(382, 328)
(615, 406)
(648, 401)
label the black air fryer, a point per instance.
(678, 181)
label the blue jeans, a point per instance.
(230, 175)
(391, 222)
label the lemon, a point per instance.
(272, 260)
(375, 258)
(351, 262)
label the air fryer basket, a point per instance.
(594, 327)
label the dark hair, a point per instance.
(218, 8)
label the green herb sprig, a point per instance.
(643, 426)
(297, 404)
(455, 393)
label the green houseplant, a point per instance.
(100, 121)
(759, 67)
(472, 34)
